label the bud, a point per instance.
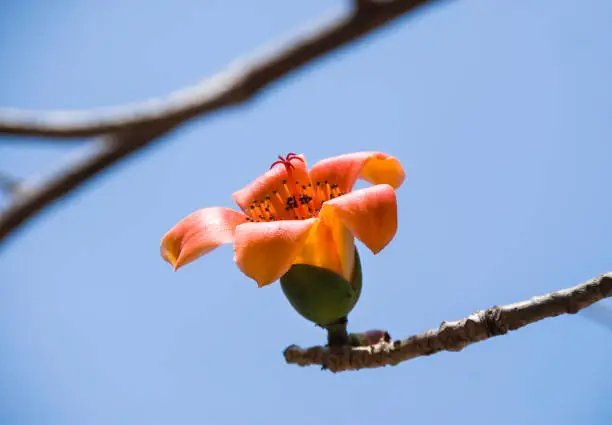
(321, 295)
(372, 337)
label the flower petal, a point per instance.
(265, 251)
(370, 214)
(330, 245)
(344, 170)
(199, 233)
(271, 190)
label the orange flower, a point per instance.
(292, 215)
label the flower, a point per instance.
(295, 216)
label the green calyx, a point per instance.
(321, 295)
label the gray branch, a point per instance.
(454, 336)
(131, 129)
(240, 82)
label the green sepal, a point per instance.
(321, 295)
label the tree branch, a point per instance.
(235, 85)
(454, 336)
(132, 129)
(111, 150)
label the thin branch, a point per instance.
(454, 336)
(36, 197)
(234, 86)
(135, 130)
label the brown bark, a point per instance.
(454, 336)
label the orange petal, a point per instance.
(344, 170)
(370, 214)
(199, 233)
(330, 245)
(265, 251)
(268, 190)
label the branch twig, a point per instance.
(135, 128)
(111, 149)
(234, 86)
(454, 336)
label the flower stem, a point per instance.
(337, 334)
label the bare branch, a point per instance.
(133, 130)
(454, 336)
(111, 149)
(240, 82)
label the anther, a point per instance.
(305, 199)
(291, 202)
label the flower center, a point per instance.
(292, 199)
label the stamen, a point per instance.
(335, 192)
(318, 195)
(291, 185)
(305, 200)
(279, 201)
(250, 212)
(326, 190)
(270, 208)
(265, 210)
(257, 211)
(287, 190)
(292, 199)
(310, 193)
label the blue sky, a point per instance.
(499, 114)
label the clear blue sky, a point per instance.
(499, 112)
